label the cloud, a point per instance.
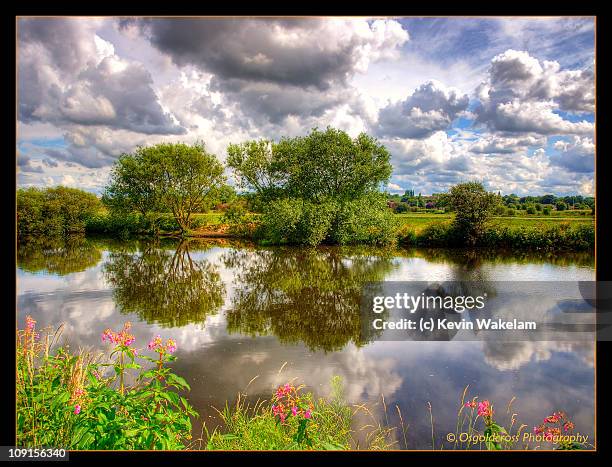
(493, 144)
(522, 94)
(70, 78)
(577, 155)
(24, 164)
(431, 107)
(297, 52)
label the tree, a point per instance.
(321, 165)
(561, 206)
(256, 166)
(173, 177)
(473, 207)
(306, 184)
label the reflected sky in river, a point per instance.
(240, 312)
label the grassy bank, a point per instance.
(555, 232)
(82, 401)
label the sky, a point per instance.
(506, 101)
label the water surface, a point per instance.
(240, 312)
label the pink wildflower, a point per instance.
(294, 410)
(30, 323)
(307, 414)
(485, 409)
(77, 409)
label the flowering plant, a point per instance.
(553, 426)
(288, 403)
(67, 401)
(493, 431)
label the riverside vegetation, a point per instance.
(322, 188)
(81, 401)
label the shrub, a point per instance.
(67, 401)
(296, 221)
(54, 211)
(280, 220)
(364, 220)
(546, 211)
(120, 225)
(531, 210)
(473, 206)
(438, 234)
(240, 222)
(510, 212)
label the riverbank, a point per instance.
(570, 233)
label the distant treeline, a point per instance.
(530, 204)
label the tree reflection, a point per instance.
(303, 295)
(59, 256)
(170, 289)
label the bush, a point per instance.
(546, 211)
(556, 237)
(364, 220)
(240, 222)
(57, 211)
(67, 401)
(296, 221)
(280, 220)
(473, 206)
(120, 225)
(510, 212)
(531, 210)
(441, 234)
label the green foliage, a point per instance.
(556, 237)
(473, 207)
(57, 211)
(280, 220)
(531, 210)
(260, 428)
(171, 177)
(546, 211)
(296, 221)
(561, 206)
(320, 166)
(308, 187)
(67, 401)
(365, 220)
(240, 221)
(257, 167)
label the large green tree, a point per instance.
(175, 177)
(319, 166)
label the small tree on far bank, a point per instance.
(473, 207)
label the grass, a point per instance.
(419, 221)
(257, 428)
